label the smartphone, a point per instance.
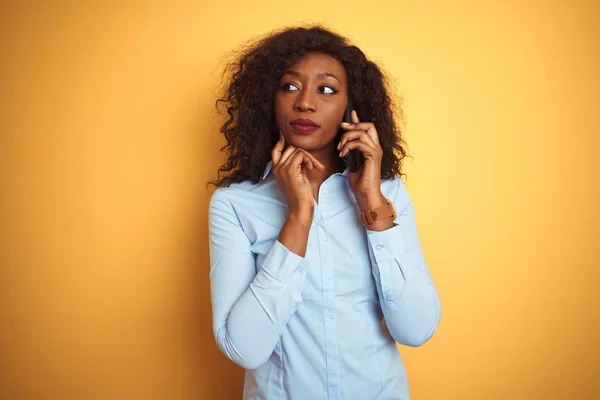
(352, 158)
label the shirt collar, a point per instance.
(269, 167)
(267, 170)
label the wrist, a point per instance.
(301, 218)
(370, 201)
(294, 233)
(377, 213)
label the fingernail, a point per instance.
(346, 123)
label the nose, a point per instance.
(305, 101)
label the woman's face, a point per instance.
(310, 101)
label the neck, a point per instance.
(328, 156)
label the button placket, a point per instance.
(329, 311)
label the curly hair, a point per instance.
(250, 83)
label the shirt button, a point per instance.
(379, 247)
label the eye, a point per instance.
(327, 90)
(289, 87)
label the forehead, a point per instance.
(315, 63)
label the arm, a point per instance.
(250, 309)
(408, 298)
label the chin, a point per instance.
(308, 142)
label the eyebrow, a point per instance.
(319, 75)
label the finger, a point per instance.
(286, 154)
(367, 150)
(356, 135)
(308, 159)
(354, 117)
(368, 127)
(316, 163)
(308, 163)
(295, 160)
(276, 152)
(371, 130)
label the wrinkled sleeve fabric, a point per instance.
(408, 297)
(251, 304)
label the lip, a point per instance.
(304, 121)
(304, 126)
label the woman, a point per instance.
(316, 270)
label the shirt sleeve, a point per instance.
(408, 297)
(250, 308)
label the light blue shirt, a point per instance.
(323, 326)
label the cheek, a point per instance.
(336, 108)
(336, 115)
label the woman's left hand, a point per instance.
(366, 181)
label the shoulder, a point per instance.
(225, 203)
(227, 194)
(237, 195)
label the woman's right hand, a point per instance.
(288, 167)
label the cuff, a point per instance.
(285, 265)
(387, 244)
(386, 247)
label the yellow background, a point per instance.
(108, 136)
